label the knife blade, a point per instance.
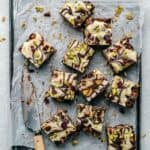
(30, 108)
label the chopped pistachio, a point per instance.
(2, 39)
(129, 16)
(75, 142)
(39, 9)
(118, 11)
(37, 55)
(23, 25)
(3, 19)
(34, 19)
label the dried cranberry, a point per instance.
(70, 11)
(120, 85)
(107, 38)
(32, 36)
(64, 124)
(45, 48)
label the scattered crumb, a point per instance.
(60, 36)
(114, 114)
(29, 101)
(2, 39)
(106, 73)
(129, 35)
(143, 135)
(35, 19)
(23, 25)
(26, 62)
(125, 74)
(39, 9)
(43, 83)
(46, 100)
(118, 11)
(47, 14)
(54, 23)
(129, 16)
(121, 110)
(102, 139)
(53, 35)
(75, 142)
(3, 19)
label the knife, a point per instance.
(30, 109)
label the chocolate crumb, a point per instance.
(46, 100)
(47, 14)
(31, 70)
(29, 101)
(122, 110)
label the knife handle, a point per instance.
(38, 142)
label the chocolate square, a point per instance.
(78, 55)
(63, 86)
(121, 55)
(92, 84)
(59, 127)
(98, 32)
(90, 118)
(121, 137)
(77, 12)
(36, 49)
(123, 92)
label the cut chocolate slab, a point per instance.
(90, 118)
(63, 85)
(93, 84)
(121, 137)
(123, 92)
(121, 55)
(36, 49)
(98, 32)
(59, 127)
(76, 12)
(78, 55)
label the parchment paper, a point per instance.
(58, 32)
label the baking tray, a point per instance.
(21, 11)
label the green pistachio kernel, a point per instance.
(39, 9)
(37, 55)
(72, 21)
(40, 62)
